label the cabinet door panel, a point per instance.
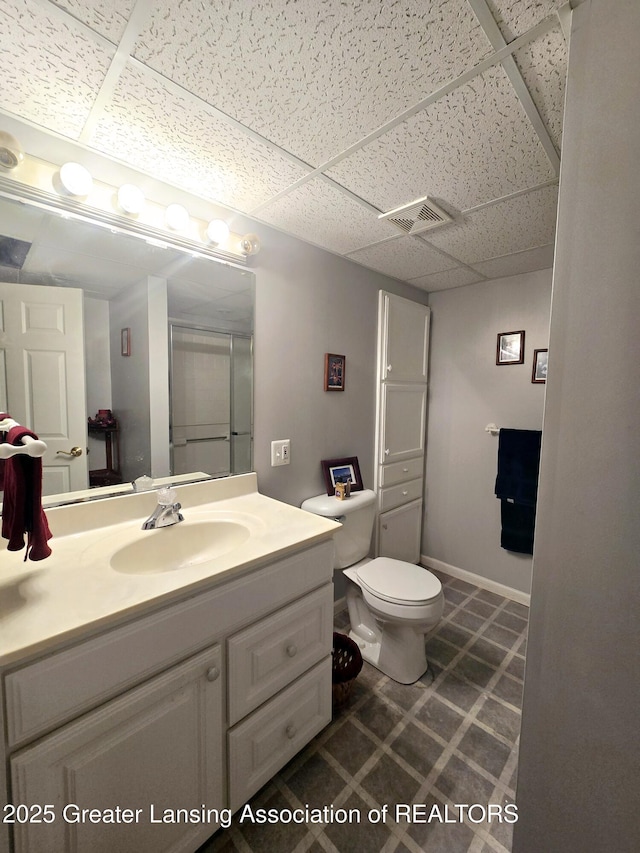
(406, 340)
(157, 747)
(400, 532)
(403, 412)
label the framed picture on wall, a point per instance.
(539, 372)
(341, 470)
(510, 348)
(334, 370)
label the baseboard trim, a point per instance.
(477, 580)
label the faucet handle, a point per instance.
(167, 496)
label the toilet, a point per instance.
(392, 604)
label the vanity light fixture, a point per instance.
(130, 199)
(11, 153)
(177, 217)
(75, 179)
(250, 244)
(217, 231)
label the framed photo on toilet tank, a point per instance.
(341, 470)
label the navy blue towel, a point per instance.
(517, 487)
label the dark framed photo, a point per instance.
(539, 372)
(334, 369)
(339, 471)
(125, 341)
(510, 348)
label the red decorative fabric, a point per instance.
(22, 511)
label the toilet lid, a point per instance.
(399, 582)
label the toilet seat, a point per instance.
(398, 582)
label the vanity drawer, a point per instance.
(401, 494)
(400, 472)
(267, 656)
(65, 684)
(264, 742)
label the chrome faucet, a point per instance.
(166, 513)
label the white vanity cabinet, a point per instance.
(194, 705)
(403, 352)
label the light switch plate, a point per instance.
(280, 452)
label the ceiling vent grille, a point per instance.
(419, 216)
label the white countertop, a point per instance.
(76, 591)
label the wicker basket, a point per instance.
(347, 663)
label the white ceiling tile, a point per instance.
(150, 125)
(524, 222)
(322, 214)
(543, 65)
(530, 260)
(457, 277)
(405, 258)
(515, 17)
(107, 17)
(50, 69)
(473, 145)
(313, 76)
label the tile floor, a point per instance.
(451, 738)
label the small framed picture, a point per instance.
(339, 471)
(334, 368)
(125, 341)
(510, 348)
(539, 372)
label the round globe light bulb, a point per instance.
(250, 244)
(11, 153)
(75, 179)
(130, 198)
(177, 217)
(217, 231)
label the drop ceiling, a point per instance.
(317, 116)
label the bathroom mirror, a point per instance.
(138, 298)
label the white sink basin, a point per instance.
(178, 546)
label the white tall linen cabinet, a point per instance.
(403, 359)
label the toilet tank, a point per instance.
(357, 514)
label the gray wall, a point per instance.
(579, 776)
(467, 391)
(309, 302)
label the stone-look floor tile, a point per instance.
(406, 695)
(267, 837)
(350, 747)
(454, 634)
(436, 837)
(488, 652)
(508, 620)
(388, 783)
(418, 749)
(365, 837)
(515, 667)
(457, 691)
(501, 719)
(509, 689)
(518, 609)
(486, 750)
(475, 671)
(315, 782)
(379, 717)
(502, 636)
(481, 608)
(440, 651)
(461, 784)
(440, 718)
(467, 588)
(491, 597)
(454, 596)
(471, 621)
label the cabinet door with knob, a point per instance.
(404, 343)
(159, 746)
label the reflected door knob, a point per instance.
(292, 650)
(213, 673)
(74, 452)
(291, 731)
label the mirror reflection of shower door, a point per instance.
(211, 401)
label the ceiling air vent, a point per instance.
(419, 216)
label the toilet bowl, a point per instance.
(392, 604)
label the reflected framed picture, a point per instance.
(125, 341)
(339, 471)
(334, 370)
(510, 348)
(539, 372)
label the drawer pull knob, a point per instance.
(291, 731)
(292, 650)
(213, 673)
(405, 493)
(389, 368)
(385, 526)
(405, 470)
(387, 451)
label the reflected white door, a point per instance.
(42, 376)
